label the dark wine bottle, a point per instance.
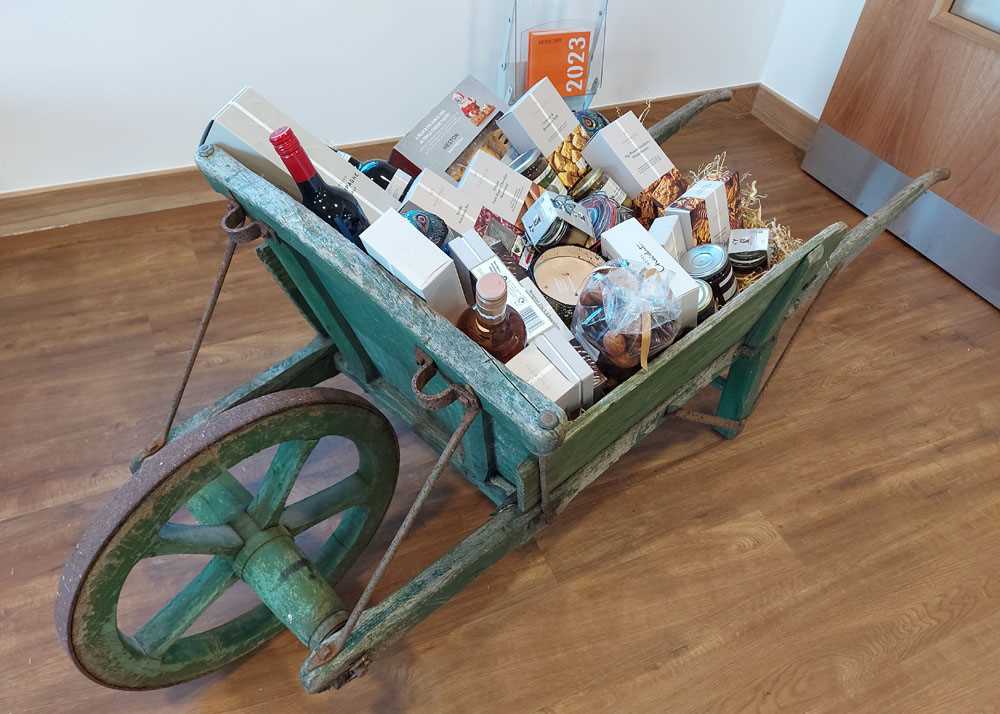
(387, 177)
(334, 205)
(395, 182)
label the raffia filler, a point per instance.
(751, 214)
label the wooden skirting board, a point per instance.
(85, 201)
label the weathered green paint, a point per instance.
(160, 654)
(267, 256)
(357, 363)
(290, 586)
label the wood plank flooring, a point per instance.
(842, 555)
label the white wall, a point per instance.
(809, 44)
(111, 87)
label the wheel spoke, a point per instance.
(173, 620)
(184, 539)
(303, 515)
(278, 481)
(221, 500)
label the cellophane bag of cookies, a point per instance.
(627, 314)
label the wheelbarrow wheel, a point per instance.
(193, 471)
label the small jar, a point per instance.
(706, 301)
(532, 165)
(747, 263)
(709, 262)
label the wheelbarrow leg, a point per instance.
(746, 374)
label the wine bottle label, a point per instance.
(398, 183)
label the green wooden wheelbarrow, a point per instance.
(517, 447)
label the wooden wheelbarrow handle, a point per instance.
(672, 123)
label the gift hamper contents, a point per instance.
(567, 246)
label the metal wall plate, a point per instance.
(945, 234)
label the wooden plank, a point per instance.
(597, 428)
(357, 363)
(273, 264)
(789, 121)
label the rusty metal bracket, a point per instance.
(238, 231)
(464, 394)
(709, 419)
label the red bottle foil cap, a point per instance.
(288, 148)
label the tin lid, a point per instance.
(530, 164)
(554, 235)
(705, 295)
(587, 184)
(561, 272)
(703, 261)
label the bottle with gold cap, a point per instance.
(491, 323)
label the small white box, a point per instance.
(630, 241)
(704, 213)
(243, 128)
(494, 185)
(474, 257)
(627, 152)
(667, 232)
(435, 194)
(749, 240)
(549, 207)
(551, 365)
(540, 119)
(419, 264)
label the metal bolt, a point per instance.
(548, 420)
(206, 150)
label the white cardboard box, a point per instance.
(493, 184)
(631, 242)
(436, 194)
(474, 257)
(540, 119)
(667, 232)
(704, 213)
(419, 264)
(243, 128)
(551, 365)
(551, 206)
(627, 152)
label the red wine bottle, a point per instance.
(334, 205)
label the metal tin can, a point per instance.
(750, 262)
(534, 166)
(591, 120)
(560, 274)
(706, 301)
(555, 235)
(709, 262)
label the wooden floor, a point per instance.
(842, 555)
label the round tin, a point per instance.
(560, 273)
(591, 120)
(706, 301)
(710, 263)
(749, 262)
(554, 235)
(534, 166)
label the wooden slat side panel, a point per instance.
(645, 392)
(380, 308)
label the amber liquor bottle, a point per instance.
(491, 323)
(334, 205)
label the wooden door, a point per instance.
(920, 88)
